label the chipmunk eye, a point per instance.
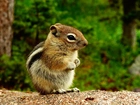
(71, 37)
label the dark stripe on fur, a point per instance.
(37, 46)
(36, 56)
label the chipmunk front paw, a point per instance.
(77, 62)
(71, 66)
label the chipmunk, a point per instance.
(51, 64)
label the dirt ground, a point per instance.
(95, 97)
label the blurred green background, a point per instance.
(104, 62)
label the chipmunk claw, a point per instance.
(73, 90)
(59, 91)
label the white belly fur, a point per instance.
(48, 80)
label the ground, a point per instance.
(93, 97)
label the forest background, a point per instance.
(112, 28)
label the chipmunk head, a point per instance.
(68, 36)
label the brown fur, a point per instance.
(51, 63)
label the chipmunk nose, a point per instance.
(85, 43)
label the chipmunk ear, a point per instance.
(54, 30)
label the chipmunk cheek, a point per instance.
(79, 44)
